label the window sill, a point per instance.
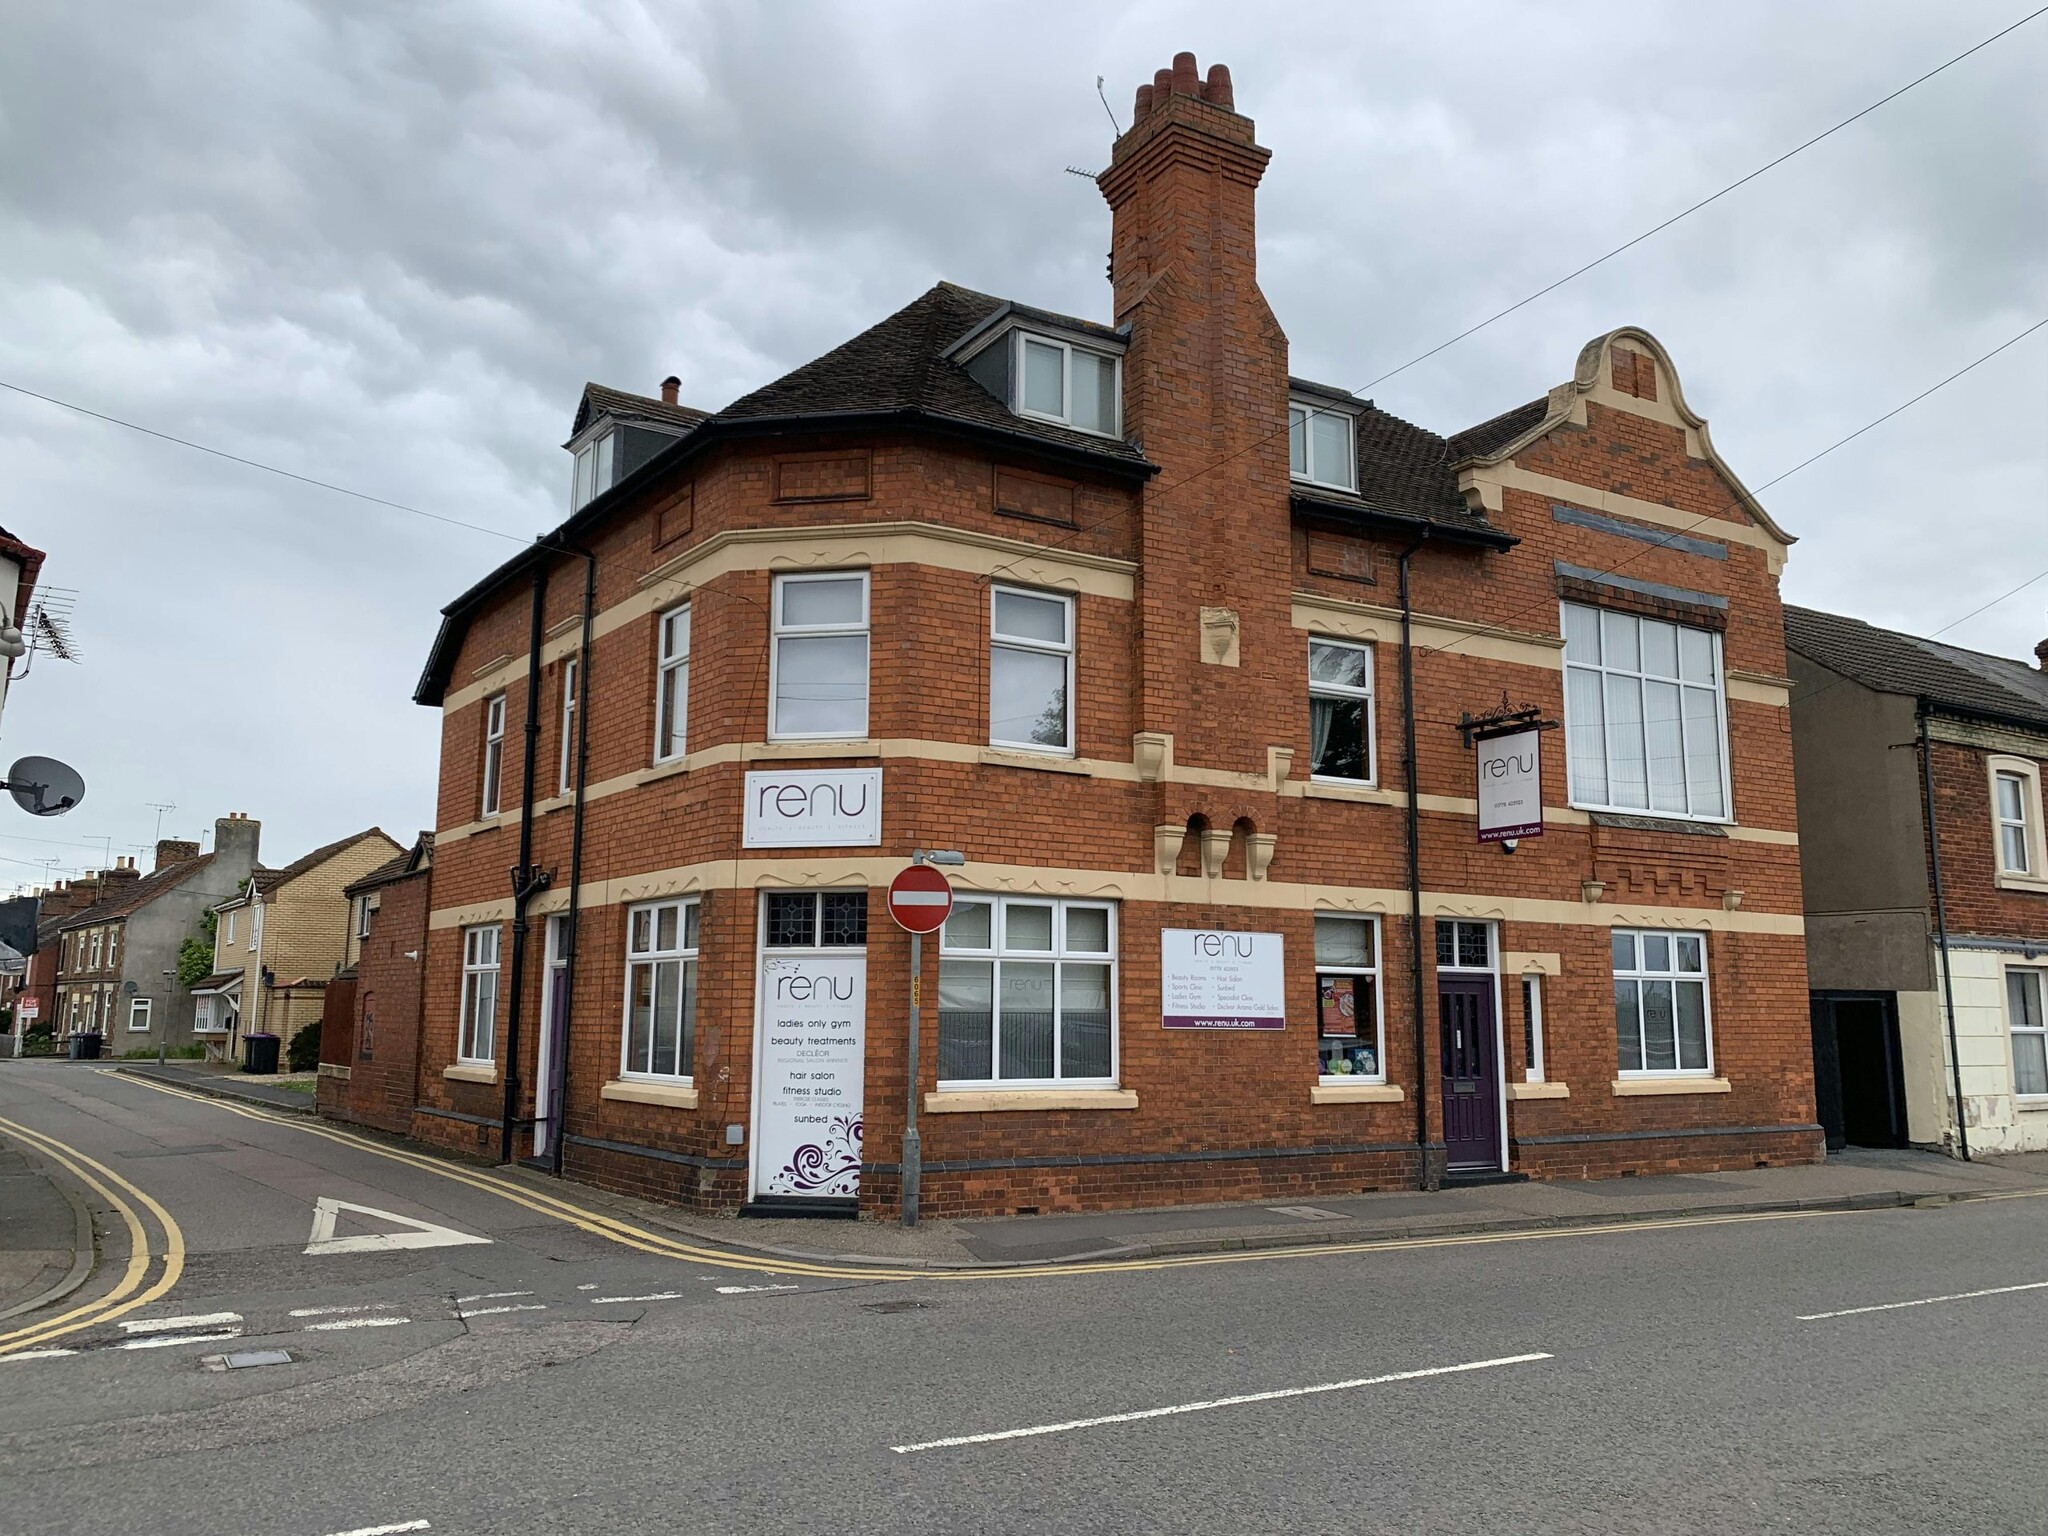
(1023, 757)
(1639, 1087)
(1349, 789)
(627, 1091)
(1356, 1093)
(471, 1072)
(778, 747)
(2031, 1103)
(1539, 1090)
(334, 1069)
(2007, 881)
(962, 1101)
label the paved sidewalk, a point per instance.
(1858, 1178)
(46, 1242)
(227, 1082)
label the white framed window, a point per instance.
(479, 1039)
(204, 1012)
(92, 962)
(1340, 712)
(661, 991)
(1662, 1021)
(1349, 1043)
(571, 680)
(1645, 720)
(227, 927)
(138, 1015)
(815, 920)
(256, 924)
(1532, 1027)
(1463, 945)
(593, 472)
(2016, 817)
(1031, 670)
(1079, 388)
(363, 911)
(1319, 445)
(819, 658)
(494, 754)
(2026, 1015)
(1027, 993)
(672, 683)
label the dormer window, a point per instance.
(1058, 381)
(593, 469)
(1319, 447)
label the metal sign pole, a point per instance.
(913, 1151)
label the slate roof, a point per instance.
(137, 894)
(1492, 436)
(1948, 677)
(600, 401)
(419, 856)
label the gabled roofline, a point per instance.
(1586, 377)
(433, 684)
(1010, 316)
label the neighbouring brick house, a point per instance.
(278, 940)
(1920, 769)
(370, 1032)
(117, 959)
(1123, 612)
(35, 1001)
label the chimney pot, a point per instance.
(1143, 105)
(1162, 87)
(670, 388)
(2041, 655)
(1187, 77)
(1217, 91)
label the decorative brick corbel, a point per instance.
(1166, 845)
(1258, 853)
(1215, 849)
(1279, 764)
(1152, 752)
(1730, 900)
(1592, 890)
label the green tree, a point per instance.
(195, 955)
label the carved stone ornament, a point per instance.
(1219, 636)
(1215, 849)
(1166, 844)
(1592, 890)
(1152, 752)
(1258, 853)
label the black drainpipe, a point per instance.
(559, 1094)
(525, 881)
(1948, 985)
(1425, 1175)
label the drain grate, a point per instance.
(893, 1306)
(244, 1359)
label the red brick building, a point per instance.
(1127, 615)
(370, 1030)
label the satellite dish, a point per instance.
(42, 786)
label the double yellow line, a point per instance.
(134, 1288)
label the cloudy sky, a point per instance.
(384, 244)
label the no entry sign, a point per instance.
(920, 899)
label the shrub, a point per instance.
(302, 1054)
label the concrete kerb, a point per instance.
(84, 1242)
(220, 1090)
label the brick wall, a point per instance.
(380, 1024)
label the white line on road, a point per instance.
(355, 1322)
(361, 1306)
(605, 1301)
(468, 1312)
(748, 1290)
(1925, 1301)
(1217, 1402)
(463, 1301)
(387, 1530)
(36, 1354)
(166, 1324)
(167, 1340)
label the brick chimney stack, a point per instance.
(236, 839)
(1205, 396)
(2041, 655)
(670, 388)
(174, 850)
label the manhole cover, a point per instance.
(244, 1359)
(892, 1306)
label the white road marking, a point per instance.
(605, 1301)
(36, 1354)
(1925, 1301)
(590, 1286)
(1217, 1402)
(748, 1290)
(167, 1324)
(463, 1301)
(361, 1306)
(417, 1233)
(167, 1340)
(1306, 1212)
(387, 1530)
(355, 1322)
(496, 1311)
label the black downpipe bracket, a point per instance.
(524, 880)
(1426, 1176)
(1948, 985)
(558, 1095)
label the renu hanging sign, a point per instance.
(1510, 786)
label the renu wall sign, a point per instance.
(814, 808)
(1216, 979)
(1510, 786)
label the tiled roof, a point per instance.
(1492, 436)
(410, 862)
(268, 880)
(600, 401)
(1946, 676)
(899, 365)
(138, 893)
(218, 981)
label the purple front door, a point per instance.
(1471, 1072)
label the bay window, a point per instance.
(1645, 719)
(1027, 993)
(1661, 1019)
(819, 660)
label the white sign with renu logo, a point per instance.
(1220, 979)
(1510, 786)
(814, 808)
(811, 1060)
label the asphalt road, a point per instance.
(558, 1378)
